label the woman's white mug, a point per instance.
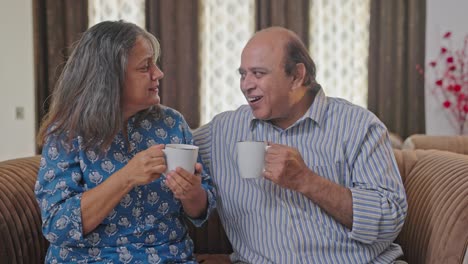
(251, 158)
(181, 155)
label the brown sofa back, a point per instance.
(435, 231)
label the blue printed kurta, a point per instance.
(145, 227)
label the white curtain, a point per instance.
(339, 45)
(225, 27)
(130, 11)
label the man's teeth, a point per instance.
(252, 99)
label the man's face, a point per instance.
(141, 79)
(264, 82)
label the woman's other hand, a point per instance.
(187, 188)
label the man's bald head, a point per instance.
(288, 43)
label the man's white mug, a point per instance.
(251, 158)
(181, 155)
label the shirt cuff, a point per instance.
(367, 215)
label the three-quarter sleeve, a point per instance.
(58, 190)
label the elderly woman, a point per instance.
(102, 187)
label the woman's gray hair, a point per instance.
(87, 100)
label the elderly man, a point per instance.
(331, 190)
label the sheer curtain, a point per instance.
(339, 45)
(130, 11)
(225, 26)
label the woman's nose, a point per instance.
(157, 73)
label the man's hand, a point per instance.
(284, 166)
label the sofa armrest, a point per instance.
(436, 227)
(21, 239)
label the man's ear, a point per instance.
(299, 75)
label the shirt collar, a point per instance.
(315, 112)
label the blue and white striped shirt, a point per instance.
(270, 224)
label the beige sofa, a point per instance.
(435, 231)
(457, 144)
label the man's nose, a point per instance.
(247, 83)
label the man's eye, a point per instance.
(145, 68)
(242, 75)
(258, 74)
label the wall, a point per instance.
(442, 16)
(17, 79)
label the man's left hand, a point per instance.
(284, 166)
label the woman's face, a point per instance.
(141, 88)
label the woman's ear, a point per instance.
(299, 75)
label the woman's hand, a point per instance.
(187, 188)
(145, 167)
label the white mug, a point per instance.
(181, 155)
(251, 158)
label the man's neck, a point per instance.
(298, 110)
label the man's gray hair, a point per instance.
(296, 52)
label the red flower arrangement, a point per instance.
(449, 81)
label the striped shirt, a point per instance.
(270, 224)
